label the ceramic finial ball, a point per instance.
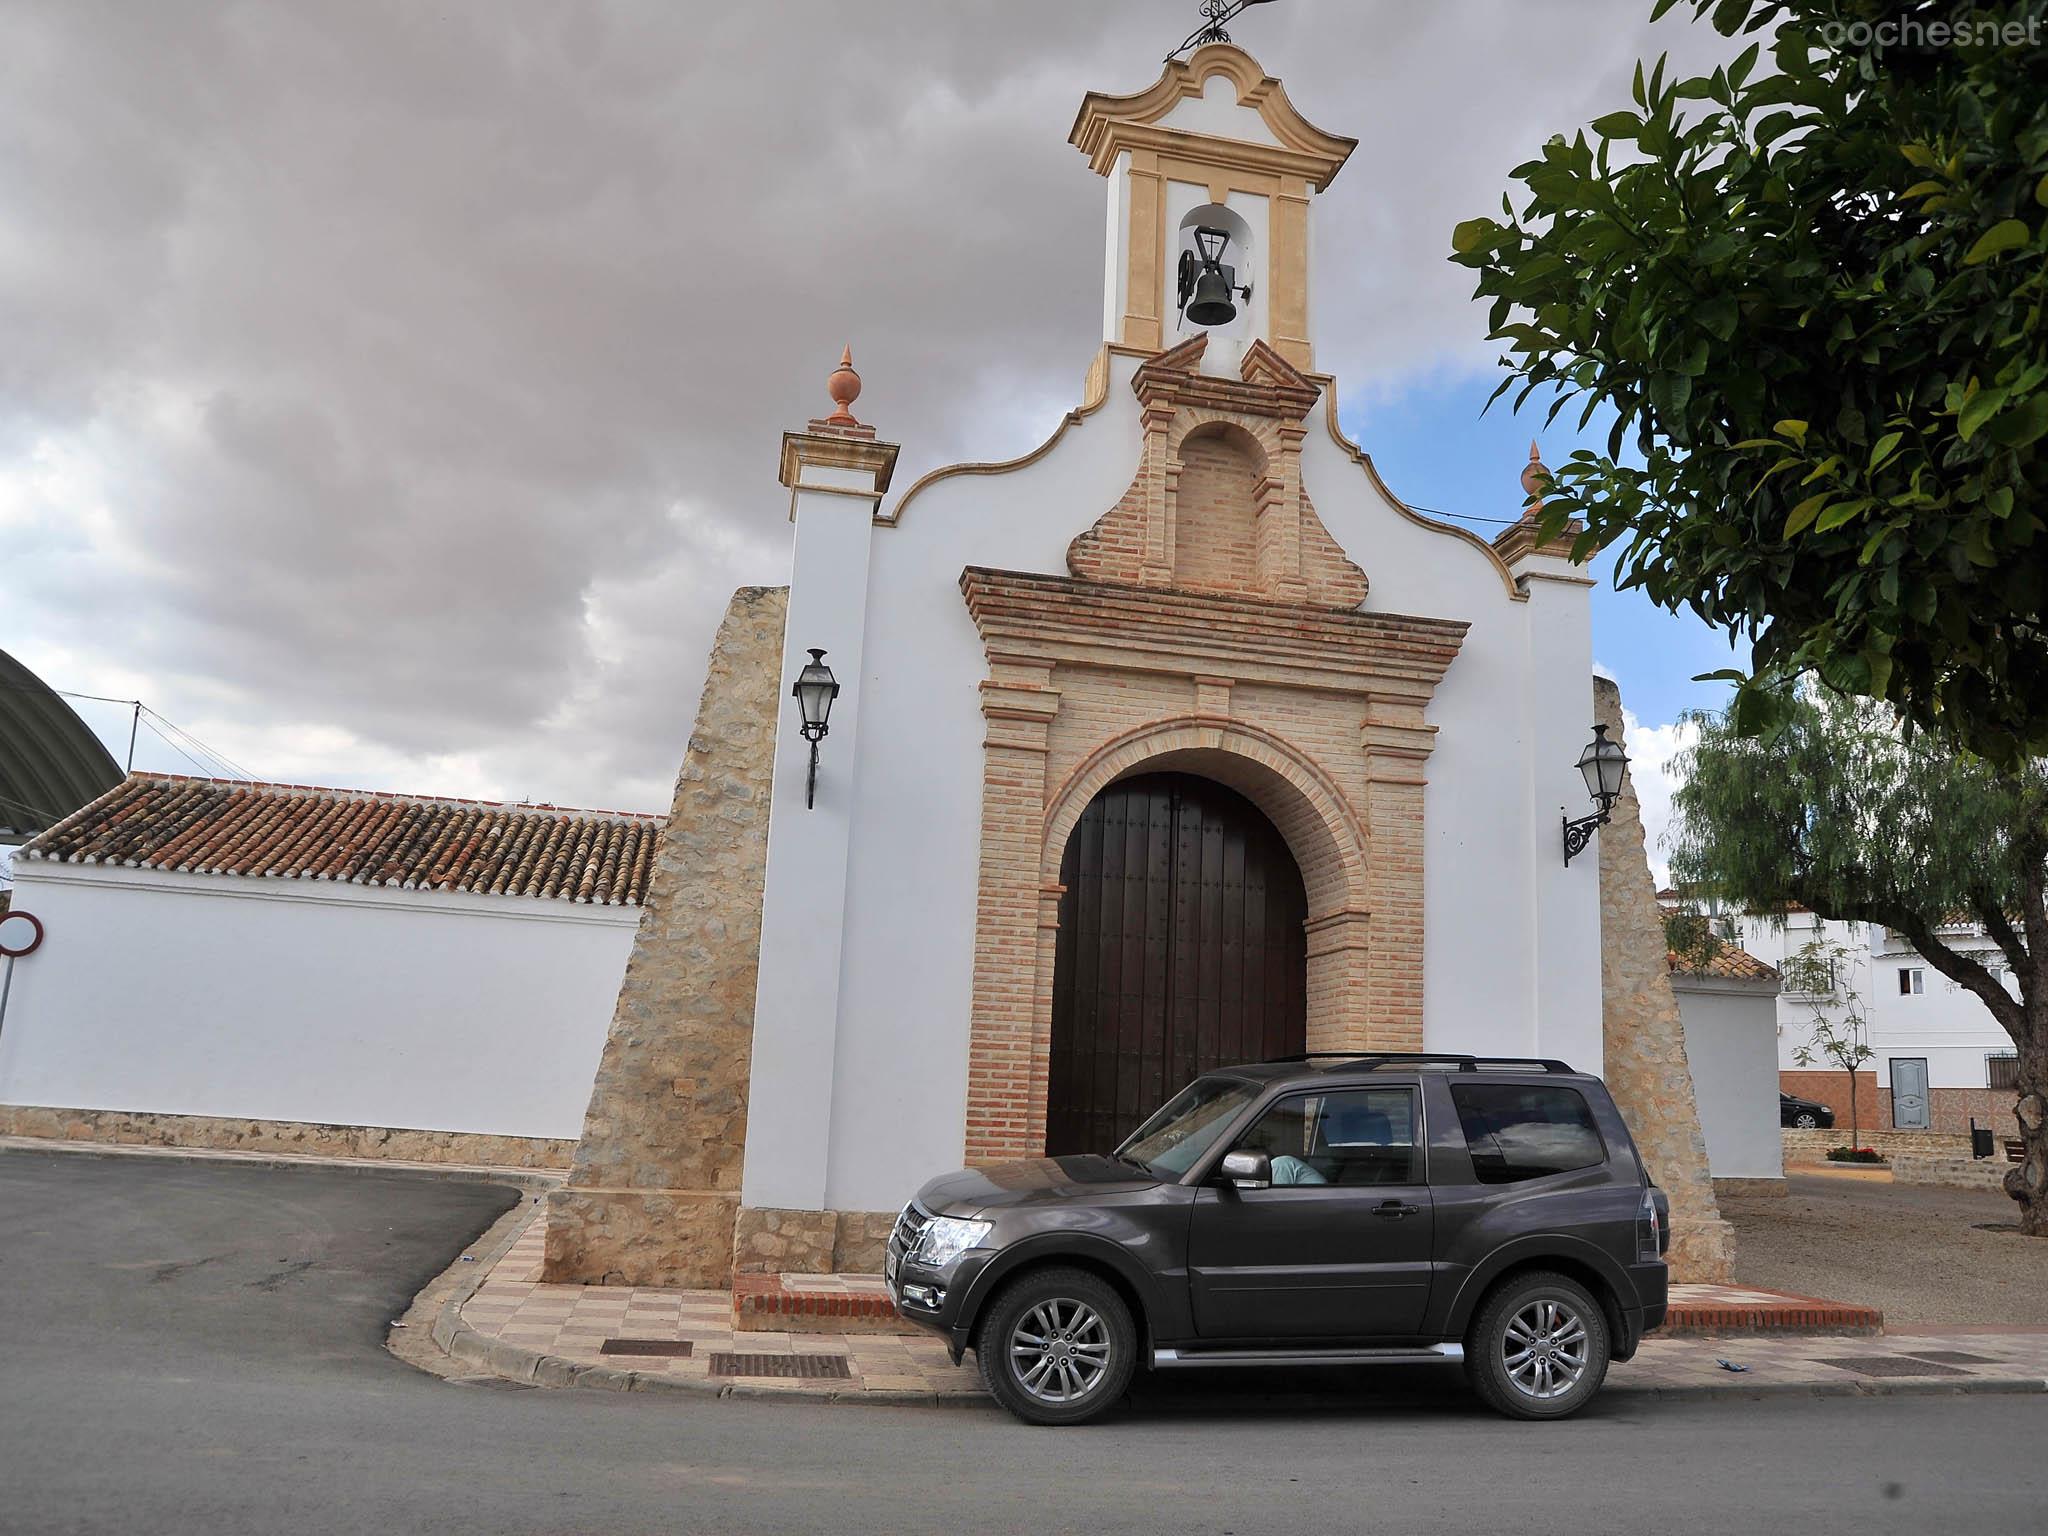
(844, 387)
(1533, 477)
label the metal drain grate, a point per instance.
(805, 1367)
(1890, 1365)
(673, 1348)
(1953, 1357)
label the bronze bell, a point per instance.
(1206, 284)
(1212, 303)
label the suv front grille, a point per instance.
(909, 1228)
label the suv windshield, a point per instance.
(1173, 1139)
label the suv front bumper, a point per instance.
(936, 1299)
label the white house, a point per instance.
(1939, 1058)
(278, 966)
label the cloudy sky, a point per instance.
(390, 393)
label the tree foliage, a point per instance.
(1834, 806)
(1810, 288)
(1822, 974)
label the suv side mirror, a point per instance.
(1248, 1170)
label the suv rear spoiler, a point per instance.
(1428, 1058)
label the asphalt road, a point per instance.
(198, 1349)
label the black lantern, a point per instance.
(814, 690)
(1601, 765)
(1206, 284)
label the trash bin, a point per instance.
(1981, 1144)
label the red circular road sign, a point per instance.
(20, 933)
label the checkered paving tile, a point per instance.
(574, 1321)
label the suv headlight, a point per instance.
(945, 1238)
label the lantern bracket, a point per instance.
(1577, 834)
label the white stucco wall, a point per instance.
(310, 1001)
(1511, 948)
(1730, 1043)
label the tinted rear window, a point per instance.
(1517, 1132)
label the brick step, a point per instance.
(814, 1304)
(1705, 1309)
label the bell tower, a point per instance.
(1210, 173)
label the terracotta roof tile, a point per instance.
(1729, 962)
(361, 837)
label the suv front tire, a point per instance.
(1538, 1347)
(1057, 1346)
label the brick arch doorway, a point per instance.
(1181, 947)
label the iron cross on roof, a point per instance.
(1215, 13)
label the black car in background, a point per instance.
(1315, 1211)
(1804, 1114)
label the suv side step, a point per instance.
(1170, 1359)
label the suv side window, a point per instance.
(1348, 1136)
(1519, 1131)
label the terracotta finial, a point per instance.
(1534, 474)
(844, 387)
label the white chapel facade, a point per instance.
(1179, 739)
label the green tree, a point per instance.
(1809, 287)
(1836, 807)
(1820, 974)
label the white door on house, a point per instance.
(1909, 1093)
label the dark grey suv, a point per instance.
(1320, 1210)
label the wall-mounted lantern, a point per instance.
(814, 690)
(1601, 765)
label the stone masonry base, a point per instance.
(218, 1133)
(773, 1242)
(667, 1237)
(1769, 1188)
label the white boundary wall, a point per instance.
(309, 1000)
(1731, 1045)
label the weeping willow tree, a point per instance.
(1835, 807)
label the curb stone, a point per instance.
(1977, 1386)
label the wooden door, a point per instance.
(1180, 949)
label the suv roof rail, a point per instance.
(1462, 1062)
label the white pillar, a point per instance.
(836, 473)
(1565, 901)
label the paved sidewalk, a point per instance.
(643, 1338)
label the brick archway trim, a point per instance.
(1291, 788)
(1316, 714)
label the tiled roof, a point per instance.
(295, 831)
(1729, 962)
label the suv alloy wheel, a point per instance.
(1538, 1348)
(1057, 1346)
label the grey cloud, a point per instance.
(429, 362)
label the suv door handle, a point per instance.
(1393, 1208)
